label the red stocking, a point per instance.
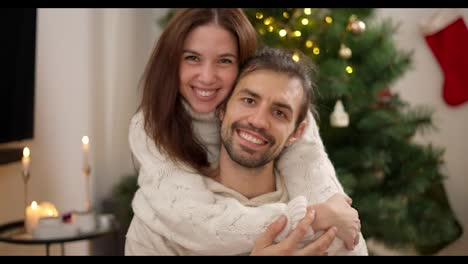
(450, 47)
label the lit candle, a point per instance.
(26, 160)
(85, 141)
(33, 214)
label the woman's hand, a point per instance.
(264, 245)
(337, 211)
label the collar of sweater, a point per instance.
(210, 116)
(280, 195)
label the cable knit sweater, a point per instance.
(173, 199)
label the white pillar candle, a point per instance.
(33, 214)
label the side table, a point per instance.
(14, 232)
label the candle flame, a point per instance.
(26, 152)
(34, 205)
(85, 140)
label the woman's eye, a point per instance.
(226, 61)
(192, 58)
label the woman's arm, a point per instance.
(309, 172)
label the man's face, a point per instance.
(260, 117)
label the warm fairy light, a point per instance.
(305, 21)
(328, 19)
(309, 44)
(349, 69)
(271, 28)
(297, 33)
(282, 32)
(261, 31)
(259, 15)
(316, 51)
(268, 21)
(285, 14)
(295, 57)
(34, 205)
(307, 11)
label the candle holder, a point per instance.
(26, 176)
(86, 173)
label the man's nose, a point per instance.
(259, 119)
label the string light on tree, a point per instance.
(309, 44)
(295, 57)
(349, 69)
(316, 51)
(328, 19)
(268, 21)
(283, 33)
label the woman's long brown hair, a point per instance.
(166, 120)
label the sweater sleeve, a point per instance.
(309, 172)
(174, 202)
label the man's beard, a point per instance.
(245, 160)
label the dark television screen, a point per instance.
(17, 70)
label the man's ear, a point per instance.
(297, 134)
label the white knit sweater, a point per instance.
(174, 202)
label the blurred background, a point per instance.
(397, 142)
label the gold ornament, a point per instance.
(355, 25)
(379, 175)
(345, 52)
(339, 117)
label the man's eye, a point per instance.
(279, 113)
(248, 101)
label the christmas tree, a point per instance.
(396, 184)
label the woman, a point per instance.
(175, 138)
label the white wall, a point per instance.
(422, 85)
(88, 65)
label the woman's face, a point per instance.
(208, 67)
